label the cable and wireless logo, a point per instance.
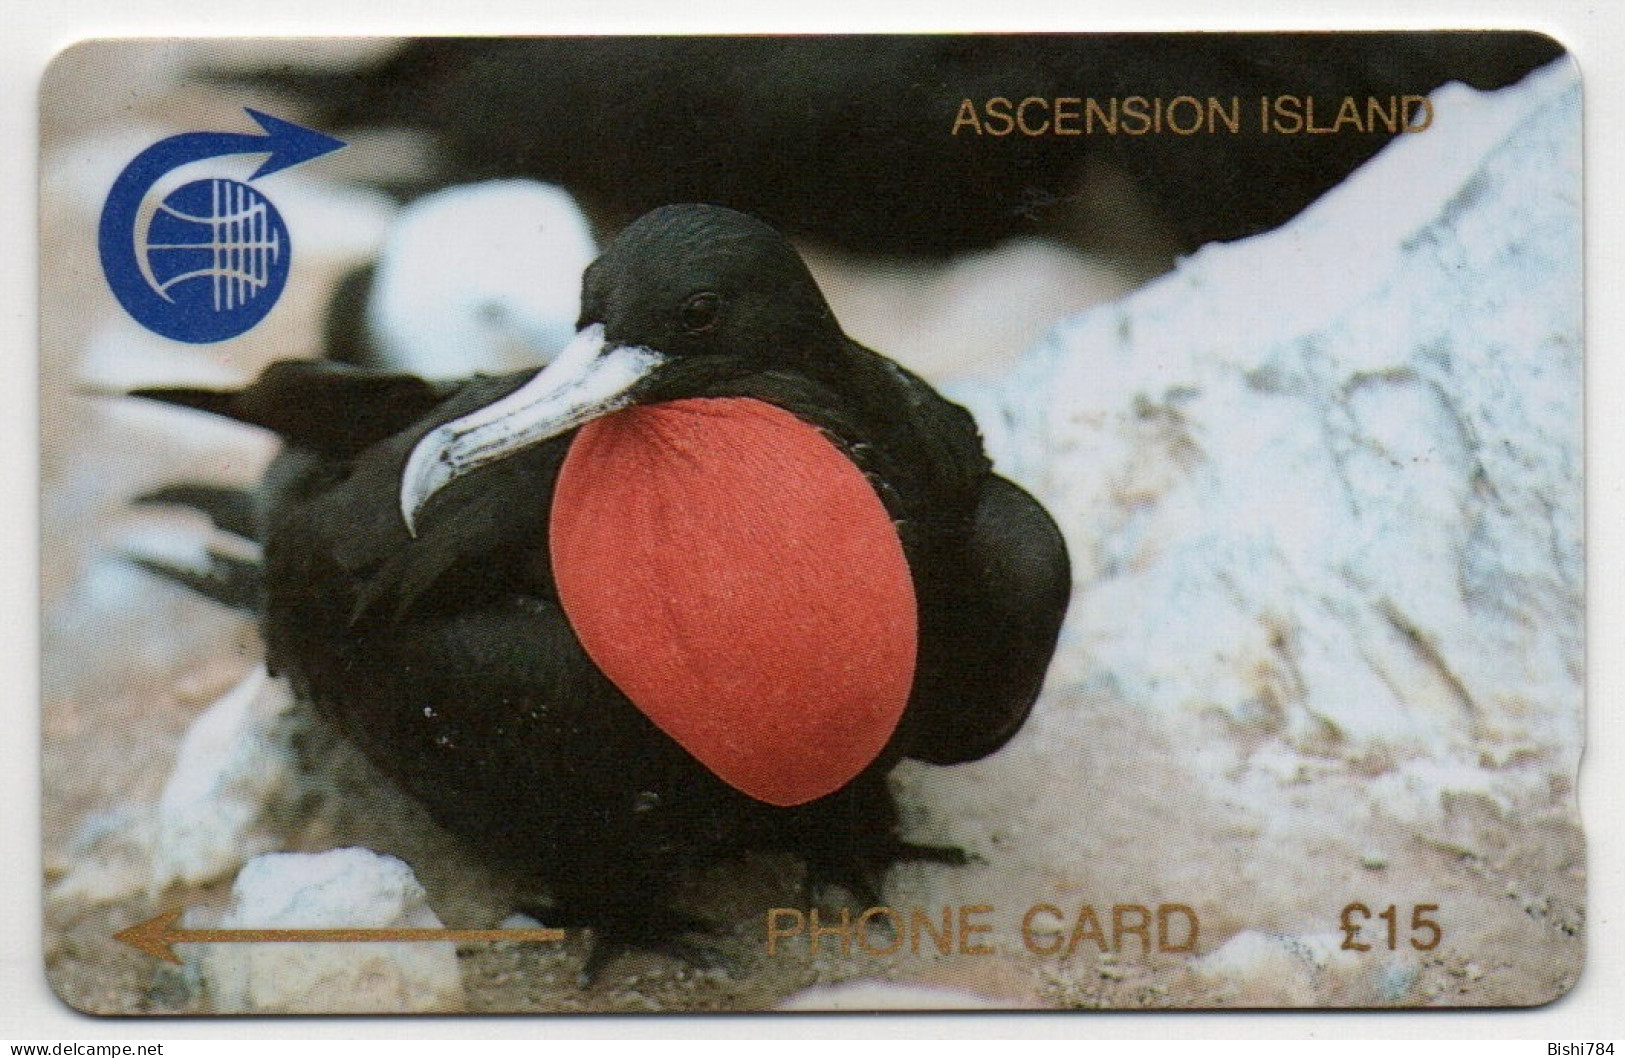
(203, 259)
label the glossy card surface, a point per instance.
(730, 524)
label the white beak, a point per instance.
(582, 383)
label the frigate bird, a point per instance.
(692, 589)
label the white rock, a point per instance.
(483, 277)
(236, 769)
(1265, 969)
(1328, 480)
(345, 888)
(108, 859)
(520, 920)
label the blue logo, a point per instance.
(209, 260)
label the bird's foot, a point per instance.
(618, 933)
(860, 874)
(952, 855)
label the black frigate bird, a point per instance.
(692, 589)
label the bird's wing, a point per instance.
(489, 531)
(232, 582)
(951, 441)
(990, 636)
(232, 509)
(329, 408)
(341, 515)
(337, 485)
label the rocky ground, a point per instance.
(1269, 705)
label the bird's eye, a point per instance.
(699, 312)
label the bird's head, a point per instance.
(686, 299)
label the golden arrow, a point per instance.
(156, 935)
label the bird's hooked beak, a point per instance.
(585, 381)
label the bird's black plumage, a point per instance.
(444, 652)
(850, 141)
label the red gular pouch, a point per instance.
(735, 575)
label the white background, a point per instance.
(31, 32)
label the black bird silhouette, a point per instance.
(692, 589)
